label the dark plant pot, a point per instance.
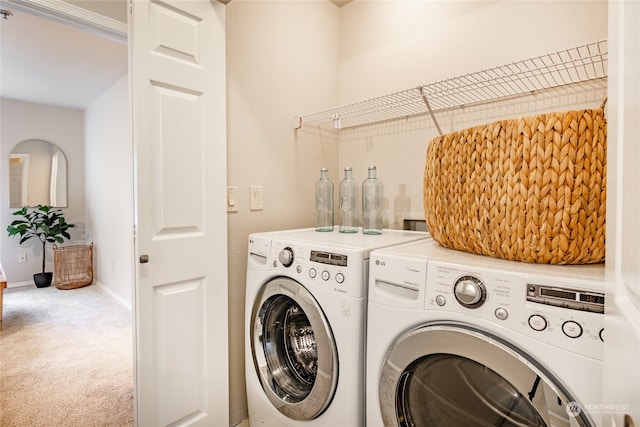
(42, 280)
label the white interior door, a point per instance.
(178, 95)
(622, 314)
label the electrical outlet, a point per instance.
(22, 257)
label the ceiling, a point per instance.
(48, 62)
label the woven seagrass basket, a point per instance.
(530, 189)
(72, 266)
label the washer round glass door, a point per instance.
(293, 349)
(454, 374)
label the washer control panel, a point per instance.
(563, 311)
(339, 270)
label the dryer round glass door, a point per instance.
(455, 374)
(293, 349)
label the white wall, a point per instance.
(388, 46)
(393, 45)
(109, 189)
(282, 59)
(20, 121)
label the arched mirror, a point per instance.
(38, 175)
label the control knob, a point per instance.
(286, 256)
(470, 291)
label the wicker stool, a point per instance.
(73, 266)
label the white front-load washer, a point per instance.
(456, 339)
(305, 325)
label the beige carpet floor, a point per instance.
(65, 359)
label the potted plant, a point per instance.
(45, 223)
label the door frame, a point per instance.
(75, 16)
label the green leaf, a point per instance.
(43, 222)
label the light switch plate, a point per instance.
(256, 198)
(232, 199)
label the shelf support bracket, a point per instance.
(426, 102)
(337, 125)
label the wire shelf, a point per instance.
(566, 67)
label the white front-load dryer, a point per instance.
(456, 339)
(305, 325)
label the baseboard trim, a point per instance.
(115, 296)
(20, 284)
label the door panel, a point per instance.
(177, 351)
(178, 97)
(173, 161)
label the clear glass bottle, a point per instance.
(348, 203)
(372, 196)
(401, 207)
(324, 202)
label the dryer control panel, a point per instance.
(575, 299)
(564, 311)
